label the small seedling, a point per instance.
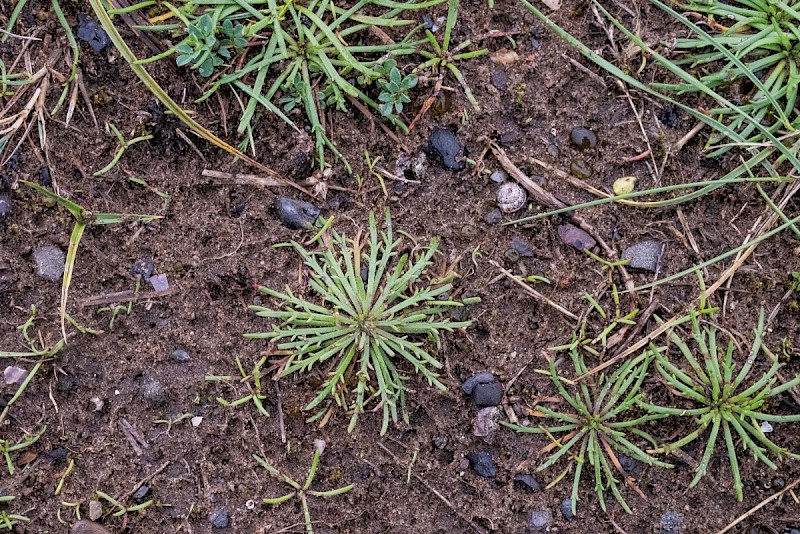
(302, 492)
(203, 51)
(6, 447)
(395, 88)
(7, 521)
(83, 218)
(121, 509)
(123, 146)
(599, 428)
(442, 58)
(724, 401)
(374, 310)
(253, 383)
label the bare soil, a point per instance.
(216, 240)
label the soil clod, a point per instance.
(152, 389)
(670, 523)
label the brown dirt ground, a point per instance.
(215, 242)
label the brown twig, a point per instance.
(134, 437)
(251, 180)
(758, 507)
(124, 296)
(279, 407)
(535, 294)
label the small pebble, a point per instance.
(499, 79)
(583, 138)
(440, 442)
(482, 463)
(493, 217)
(5, 207)
(566, 509)
(141, 493)
(296, 214)
(84, 526)
(159, 282)
(219, 518)
(180, 355)
(49, 262)
(95, 510)
(443, 146)
(511, 197)
(572, 235)
(527, 481)
(670, 523)
(540, 520)
(498, 176)
(488, 394)
(510, 136)
(486, 421)
(196, 421)
(644, 255)
(580, 168)
(143, 267)
(152, 389)
(478, 378)
(97, 404)
(523, 247)
(90, 31)
(552, 149)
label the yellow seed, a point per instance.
(624, 185)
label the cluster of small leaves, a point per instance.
(375, 311)
(395, 88)
(203, 50)
(723, 399)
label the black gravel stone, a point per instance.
(478, 378)
(296, 214)
(488, 394)
(527, 481)
(483, 464)
(443, 146)
(90, 31)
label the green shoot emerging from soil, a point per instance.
(598, 427)
(254, 385)
(301, 492)
(7, 520)
(722, 398)
(375, 309)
